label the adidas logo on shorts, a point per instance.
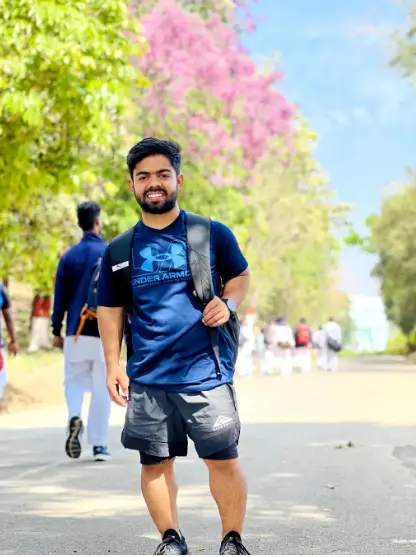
(222, 421)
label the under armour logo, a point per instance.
(221, 422)
(156, 260)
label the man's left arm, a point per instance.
(233, 268)
(59, 305)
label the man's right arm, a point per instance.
(110, 324)
(110, 315)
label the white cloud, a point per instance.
(340, 118)
(361, 115)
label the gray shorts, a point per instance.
(159, 423)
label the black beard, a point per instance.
(158, 207)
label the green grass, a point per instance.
(345, 354)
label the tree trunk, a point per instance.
(39, 326)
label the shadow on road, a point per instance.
(309, 494)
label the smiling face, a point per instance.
(155, 185)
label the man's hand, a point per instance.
(13, 347)
(118, 385)
(216, 313)
(58, 342)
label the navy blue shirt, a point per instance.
(71, 285)
(4, 304)
(172, 348)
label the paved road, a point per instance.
(307, 495)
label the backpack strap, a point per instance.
(120, 254)
(198, 238)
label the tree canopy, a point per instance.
(392, 240)
(83, 81)
(65, 82)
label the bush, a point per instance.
(399, 344)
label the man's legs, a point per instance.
(100, 406)
(320, 358)
(306, 359)
(287, 361)
(160, 492)
(332, 361)
(154, 427)
(77, 381)
(213, 424)
(229, 489)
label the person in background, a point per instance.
(332, 345)
(245, 358)
(269, 363)
(5, 308)
(303, 337)
(85, 369)
(319, 345)
(261, 347)
(283, 342)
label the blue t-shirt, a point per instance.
(172, 348)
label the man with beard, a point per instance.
(83, 354)
(173, 388)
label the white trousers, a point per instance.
(283, 360)
(331, 360)
(85, 371)
(245, 361)
(303, 359)
(3, 375)
(267, 362)
(321, 358)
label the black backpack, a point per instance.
(89, 311)
(198, 233)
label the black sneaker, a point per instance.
(73, 442)
(232, 545)
(172, 544)
(101, 454)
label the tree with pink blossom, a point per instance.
(207, 92)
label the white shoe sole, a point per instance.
(102, 458)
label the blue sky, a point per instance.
(334, 56)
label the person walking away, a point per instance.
(179, 380)
(283, 343)
(5, 308)
(245, 359)
(269, 364)
(333, 344)
(83, 354)
(261, 347)
(319, 345)
(303, 337)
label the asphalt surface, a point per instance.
(330, 461)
